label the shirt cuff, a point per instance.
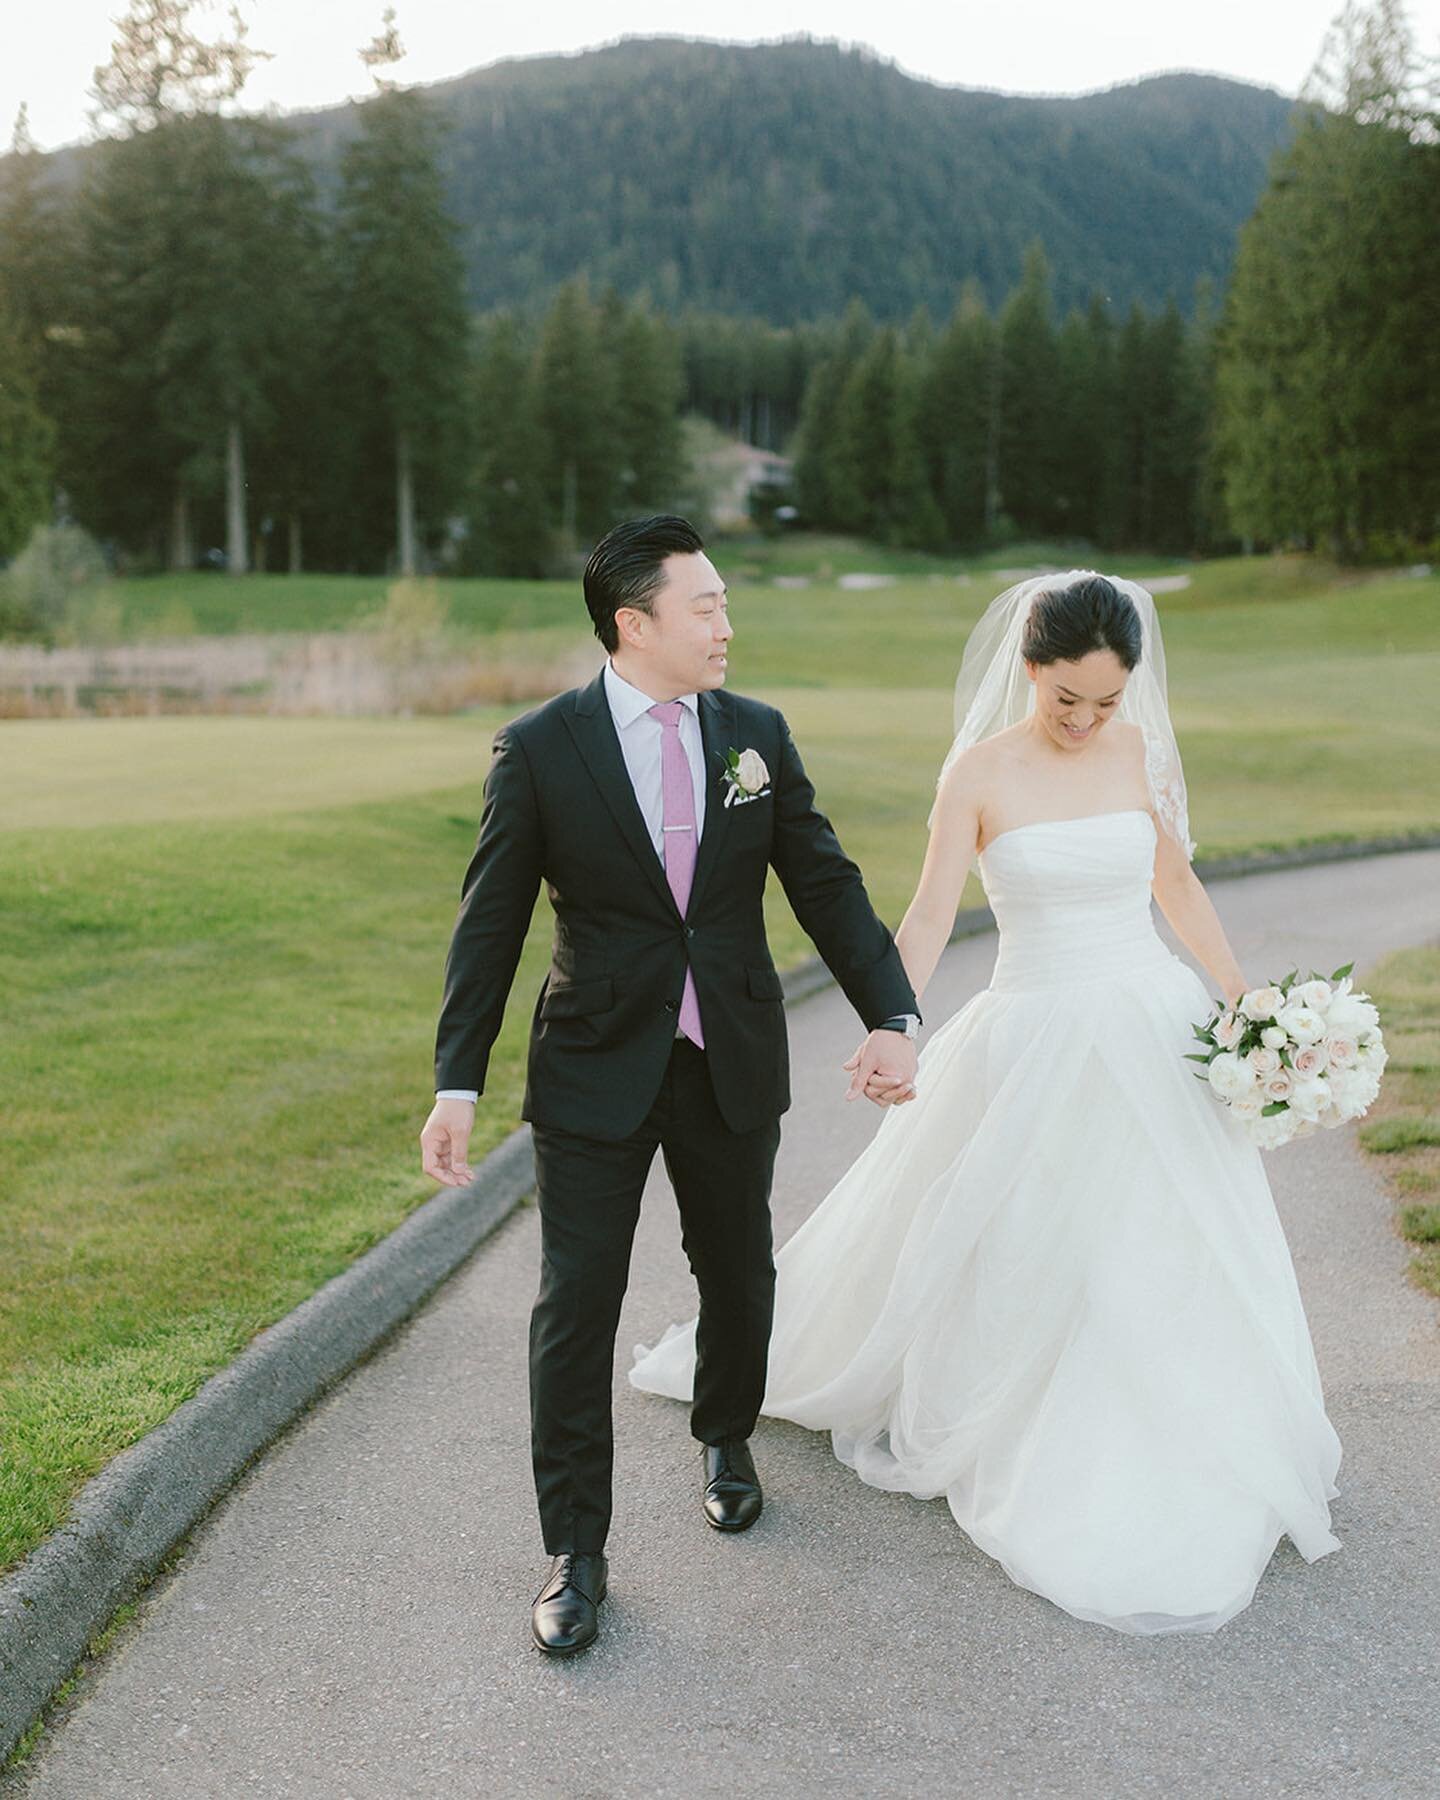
(457, 1093)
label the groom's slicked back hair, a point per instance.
(625, 568)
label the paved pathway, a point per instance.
(352, 1620)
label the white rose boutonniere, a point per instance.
(746, 777)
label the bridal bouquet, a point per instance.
(1294, 1055)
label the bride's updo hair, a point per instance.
(1070, 622)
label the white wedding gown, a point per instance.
(1054, 1288)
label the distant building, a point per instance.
(734, 469)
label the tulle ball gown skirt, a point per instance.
(1054, 1289)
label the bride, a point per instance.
(1054, 1288)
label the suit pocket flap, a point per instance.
(569, 999)
(765, 984)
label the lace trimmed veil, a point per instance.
(993, 691)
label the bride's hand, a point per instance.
(883, 1069)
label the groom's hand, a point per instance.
(445, 1142)
(883, 1069)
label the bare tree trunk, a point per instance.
(405, 503)
(182, 550)
(296, 563)
(237, 549)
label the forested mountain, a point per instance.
(785, 180)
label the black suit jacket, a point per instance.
(559, 807)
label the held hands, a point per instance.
(445, 1142)
(883, 1069)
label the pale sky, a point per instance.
(1019, 46)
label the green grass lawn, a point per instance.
(221, 939)
(182, 604)
(1402, 1130)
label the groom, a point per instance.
(651, 805)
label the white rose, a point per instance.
(1274, 1037)
(1261, 1003)
(1264, 1061)
(1309, 1061)
(1352, 1013)
(1304, 1025)
(1229, 1030)
(1341, 1052)
(1309, 1098)
(1230, 1076)
(1270, 1133)
(1247, 1106)
(1315, 994)
(1353, 1090)
(1278, 1086)
(751, 772)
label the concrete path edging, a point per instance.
(129, 1517)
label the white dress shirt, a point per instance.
(640, 738)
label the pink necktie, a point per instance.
(679, 837)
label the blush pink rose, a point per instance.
(1309, 1060)
(1279, 1086)
(1229, 1030)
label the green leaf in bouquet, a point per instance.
(1269, 1112)
(1194, 1056)
(1289, 981)
(1340, 974)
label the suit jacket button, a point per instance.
(689, 931)
(672, 1006)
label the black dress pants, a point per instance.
(589, 1199)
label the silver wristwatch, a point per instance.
(909, 1023)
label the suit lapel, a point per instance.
(593, 729)
(716, 734)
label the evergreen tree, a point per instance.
(209, 184)
(510, 522)
(865, 460)
(1084, 450)
(577, 406)
(27, 443)
(914, 518)
(1029, 383)
(825, 480)
(1328, 381)
(1134, 481)
(405, 319)
(29, 272)
(124, 462)
(1173, 434)
(956, 419)
(645, 354)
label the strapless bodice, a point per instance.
(1072, 900)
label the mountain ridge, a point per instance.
(784, 179)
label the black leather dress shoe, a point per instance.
(563, 1618)
(732, 1488)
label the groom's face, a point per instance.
(683, 641)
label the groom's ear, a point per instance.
(630, 626)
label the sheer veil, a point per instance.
(993, 691)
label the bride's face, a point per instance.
(1074, 700)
